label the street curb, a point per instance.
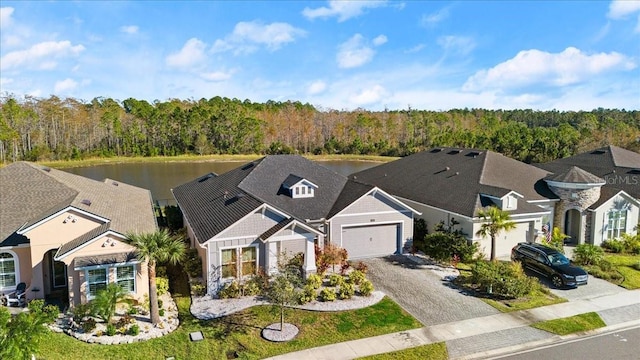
(556, 339)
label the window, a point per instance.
(229, 263)
(617, 223)
(247, 265)
(126, 278)
(96, 281)
(8, 276)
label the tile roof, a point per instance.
(620, 168)
(26, 189)
(210, 203)
(453, 179)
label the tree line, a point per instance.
(57, 128)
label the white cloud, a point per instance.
(65, 86)
(217, 76)
(457, 44)
(5, 81)
(415, 49)
(435, 18)
(317, 87)
(354, 53)
(343, 10)
(539, 67)
(370, 96)
(5, 17)
(191, 53)
(247, 35)
(379, 40)
(619, 9)
(129, 29)
(42, 51)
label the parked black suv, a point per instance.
(549, 262)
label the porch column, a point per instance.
(310, 256)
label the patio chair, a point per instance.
(17, 297)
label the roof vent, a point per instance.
(86, 202)
(225, 195)
(473, 154)
(115, 183)
(205, 178)
(240, 195)
(635, 171)
(436, 150)
(599, 152)
(248, 166)
(46, 168)
(454, 152)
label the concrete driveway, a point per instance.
(595, 288)
(422, 293)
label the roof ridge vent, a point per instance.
(454, 152)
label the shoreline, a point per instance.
(65, 164)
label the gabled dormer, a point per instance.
(299, 187)
(507, 202)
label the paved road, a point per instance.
(422, 293)
(619, 345)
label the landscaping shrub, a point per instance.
(345, 291)
(198, 289)
(111, 330)
(614, 246)
(104, 304)
(605, 265)
(356, 277)
(161, 312)
(193, 263)
(161, 271)
(419, 232)
(133, 330)
(344, 268)
(637, 266)
(335, 279)
(307, 294)
(250, 288)
(88, 325)
(327, 294)
(631, 243)
(314, 281)
(587, 254)
(505, 279)
(443, 246)
(366, 288)
(230, 291)
(362, 267)
(80, 312)
(162, 285)
(124, 321)
(296, 261)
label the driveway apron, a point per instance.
(422, 293)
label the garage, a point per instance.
(371, 240)
(506, 241)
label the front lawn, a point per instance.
(624, 264)
(570, 325)
(238, 335)
(437, 351)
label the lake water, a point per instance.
(160, 178)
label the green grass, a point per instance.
(624, 265)
(61, 164)
(239, 334)
(437, 351)
(533, 300)
(570, 325)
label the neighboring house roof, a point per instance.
(455, 179)
(30, 193)
(618, 167)
(575, 175)
(211, 203)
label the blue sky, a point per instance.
(374, 55)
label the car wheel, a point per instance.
(556, 281)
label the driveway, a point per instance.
(422, 293)
(595, 288)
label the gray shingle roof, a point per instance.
(209, 211)
(351, 192)
(95, 260)
(620, 168)
(575, 175)
(30, 193)
(453, 179)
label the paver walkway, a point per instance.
(512, 325)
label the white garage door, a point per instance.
(370, 241)
(504, 245)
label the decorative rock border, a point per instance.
(274, 333)
(168, 323)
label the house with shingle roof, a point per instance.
(598, 192)
(246, 218)
(63, 234)
(446, 184)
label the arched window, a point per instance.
(9, 275)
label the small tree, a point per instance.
(557, 239)
(105, 303)
(20, 335)
(281, 290)
(495, 220)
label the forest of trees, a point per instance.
(56, 128)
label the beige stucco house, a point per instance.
(63, 234)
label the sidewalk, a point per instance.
(614, 309)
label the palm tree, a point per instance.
(496, 220)
(159, 246)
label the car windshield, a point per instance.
(558, 259)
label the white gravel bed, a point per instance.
(274, 333)
(207, 307)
